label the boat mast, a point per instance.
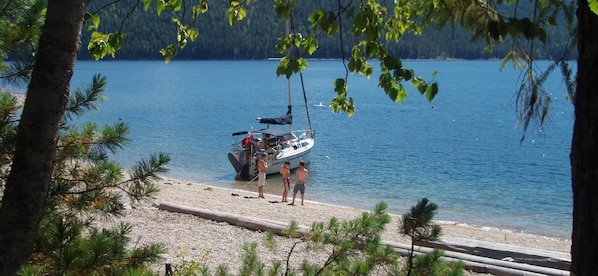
(290, 27)
(288, 31)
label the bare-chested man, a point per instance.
(286, 180)
(301, 174)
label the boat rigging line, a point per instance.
(251, 180)
(297, 54)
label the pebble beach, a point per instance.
(189, 237)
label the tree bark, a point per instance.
(584, 148)
(27, 185)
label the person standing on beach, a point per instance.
(262, 166)
(286, 180)
(300, 176)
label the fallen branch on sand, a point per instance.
(477, 263)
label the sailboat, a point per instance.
(279, 144)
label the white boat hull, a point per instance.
(244, 158)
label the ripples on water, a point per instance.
(462, 151)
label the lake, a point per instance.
(463, 151)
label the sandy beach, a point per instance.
(213, 243)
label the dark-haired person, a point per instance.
(262, 166)
(286, 180)
(301, 175)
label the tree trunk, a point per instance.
(584, 148)
(27, 186)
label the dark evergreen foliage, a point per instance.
(255, 37)
(86, 185)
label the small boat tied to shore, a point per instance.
(280, 145)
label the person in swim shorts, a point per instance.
(286, 180)
(301, 175)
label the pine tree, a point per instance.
(86, 185)
(418, 225)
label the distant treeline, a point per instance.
(255, 37)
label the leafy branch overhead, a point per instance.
(375, 24)
(365, 30)
(367, 25)
(103, 44)
(366, 21)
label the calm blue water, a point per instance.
(462, 151)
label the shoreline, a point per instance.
(274, 189)
(455, 229)
(216, 243)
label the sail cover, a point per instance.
(287, 119)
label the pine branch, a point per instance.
(82, 101)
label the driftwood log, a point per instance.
(481, 260)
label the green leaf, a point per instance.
(295, 65)
(355, 65)
(431, 91)
(95, 20)
(199, 9)
(340, 86)
(359, 23)
(288, 66)
(331, 26)
(99, 45)
(160, 6)
(325, 20)
(371, 48)
(593, 4)
(408, 74)
(369, 69)
(340, 104)
(116, 41)
(351, 12)
(169, 52)
(236, 14)
(284, 8)
(398, 74)
(543, 35)
(147, 4)
(310, 45)
(316, 18)
(421, 86)
(393, 93)
(518, 26)
(296, 40)
(193, 34)
(393, 63)
(173, 5)
(397, 93)
(402, 94)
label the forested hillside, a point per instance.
(255, 37)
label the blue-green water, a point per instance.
(462, 151)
